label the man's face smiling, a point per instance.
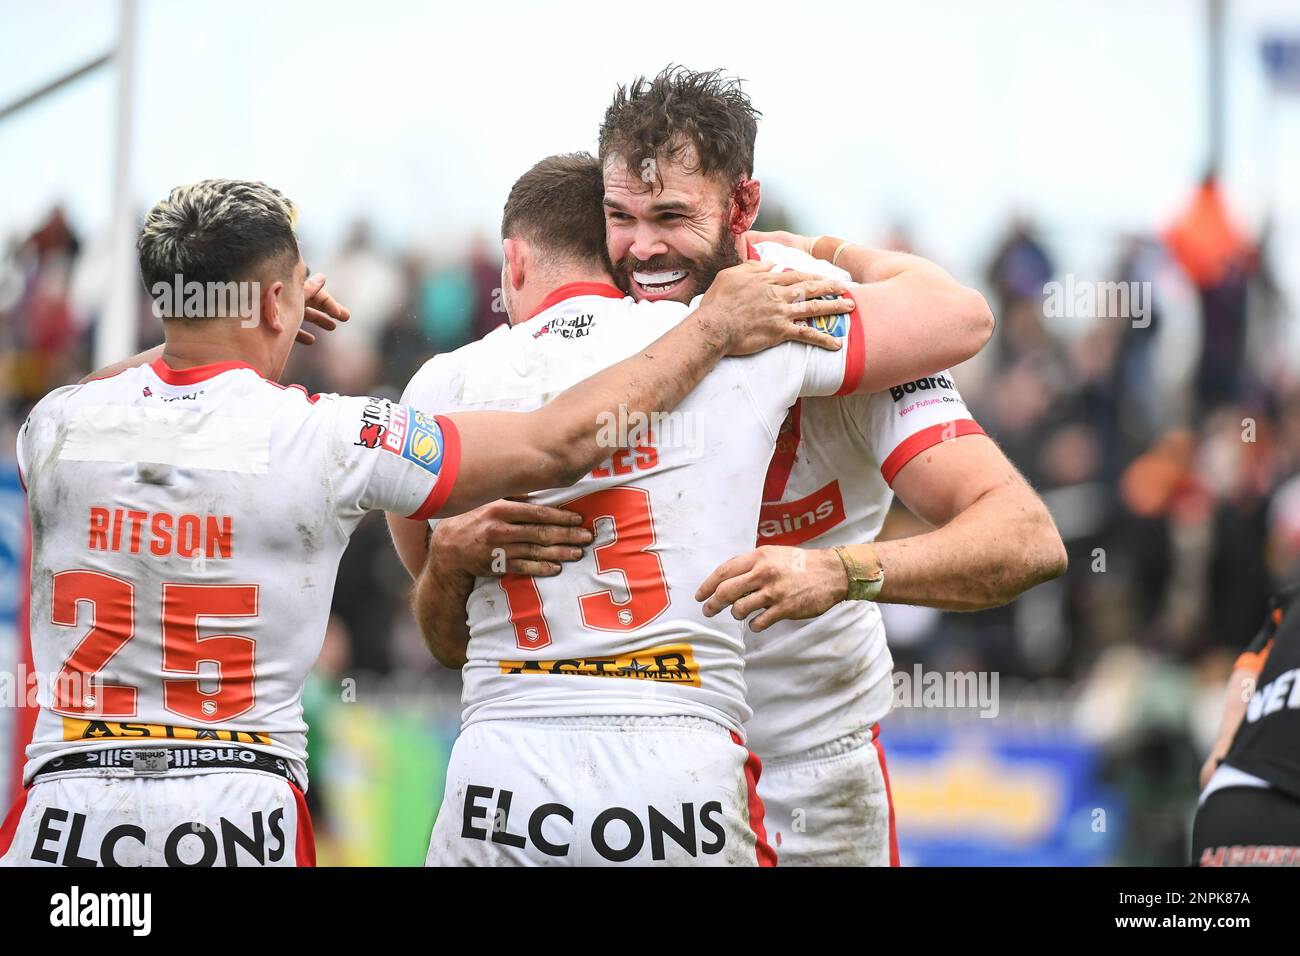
(666, 243)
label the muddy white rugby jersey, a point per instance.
(187, 528)
(619, 632)
(811, 682)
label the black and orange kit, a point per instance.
(1258, 823)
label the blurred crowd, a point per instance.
(1166, 444)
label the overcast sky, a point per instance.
(945, 115)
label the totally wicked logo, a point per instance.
(383, 425)
(568, 327)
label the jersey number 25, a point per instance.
(79, 692)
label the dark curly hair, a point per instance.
(662, 118)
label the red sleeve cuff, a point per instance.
(446, 474)
(913, 445)
(855, 362)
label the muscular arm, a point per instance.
(994, 540)
(438, 603)
(917, 319)
(411, 540)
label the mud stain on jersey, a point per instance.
(308, 534)
(151, 473)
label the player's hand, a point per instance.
(510, 537)
(786, 584)
(322, 310)
(793, 240)
(755, 308)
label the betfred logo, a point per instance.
(796, 522)
(899, 392)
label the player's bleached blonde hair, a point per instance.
(218, 230)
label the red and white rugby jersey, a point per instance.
(186, 532)
(811, 682)
(619, 632)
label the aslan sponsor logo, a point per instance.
(929, 383)
(75, 908)
(796, 522)
(74, 729)
(667, 664)
(618, 834)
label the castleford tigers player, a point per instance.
(188, 516)
(1249, 813)
(603, 712)
(678, 202)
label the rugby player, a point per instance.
(603, 712)
(1249, 812)
(677, 153)
(818, 668)
(188, 516)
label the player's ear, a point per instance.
(516, 258)
(272, 315)
(745, 200)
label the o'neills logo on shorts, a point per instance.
(794, 522)
(74, 729)
(667, 664)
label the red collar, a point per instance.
(192, 376)
(572, 290)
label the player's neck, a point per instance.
(190, 345)
(541, 290)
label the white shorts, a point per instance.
(831, 806)
(208, 818)
(600, 791)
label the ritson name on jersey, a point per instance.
(160, 533)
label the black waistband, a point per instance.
(159, 761)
